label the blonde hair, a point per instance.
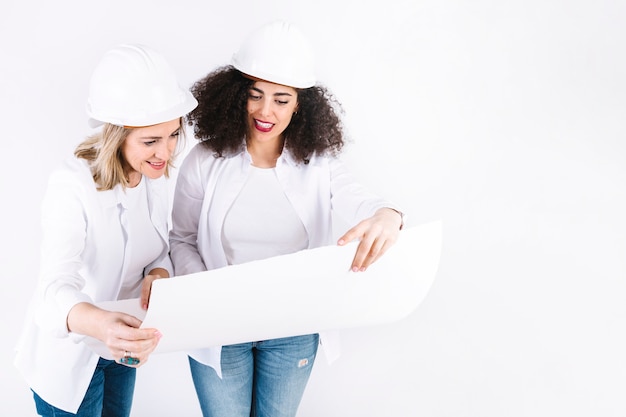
(103, 151)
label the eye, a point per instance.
(254, 97)
(149, 142)
(175, 134)
(282, 102)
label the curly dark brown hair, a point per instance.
(220, 120)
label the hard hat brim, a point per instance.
(273, 78)
(183, 108)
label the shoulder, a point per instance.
(199, 149)
(203, 157)
(322, 162)
(199, 153)
(71, 188)
(72, 171)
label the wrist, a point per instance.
(393, 214)
(401, 215)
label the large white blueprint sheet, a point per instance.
(300, 293)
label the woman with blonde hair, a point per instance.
(104, 228)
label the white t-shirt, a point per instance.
(261, 222)
(143, 239)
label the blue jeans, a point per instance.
(110, 393)
(259, 379)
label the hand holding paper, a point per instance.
(300, 293)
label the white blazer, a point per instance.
(207, 186)
(84, 259)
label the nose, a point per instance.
(164, 149)
(266, 106)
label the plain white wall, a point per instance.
(505, 119)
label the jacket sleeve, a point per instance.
(64, 225)
(163, 261)
(350, 200)
(186, 212)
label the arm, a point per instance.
(118, 331)
(64, 234)
(65, 308)
(378, 221)
(376, 234)
(162, 266)
(186, 212)
(146, 285)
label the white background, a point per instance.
(505, 119)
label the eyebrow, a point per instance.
(275, 94)
(160, 137)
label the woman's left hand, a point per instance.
(376, 235)
(146, 286)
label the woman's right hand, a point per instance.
(120, 332)
(124, 338)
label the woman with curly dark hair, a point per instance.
(265, 180)
(221, 121)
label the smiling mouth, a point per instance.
(156, 165)
(263, 126)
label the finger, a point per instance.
(371, 254)
(354, 233)
(146, 288)
(130, 359)
(140, 335)
(141, 348)
(128, 328)
(118, 326)
(377, 250)
(127, 323)
(363, 251)
(369, 258)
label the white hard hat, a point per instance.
(277, 52)
(135, 86)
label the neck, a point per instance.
(134, 178)
(265, 155)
